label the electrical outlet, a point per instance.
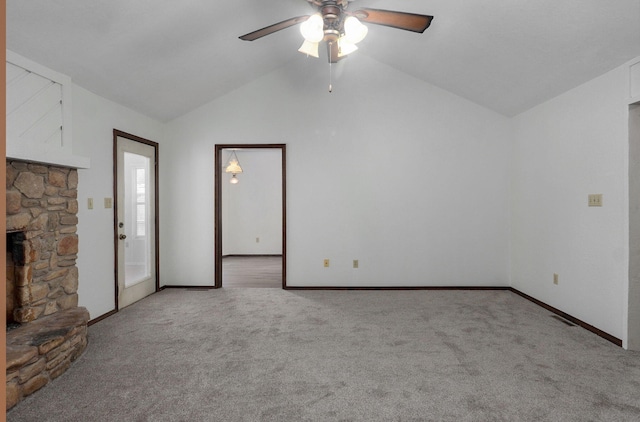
(595, 200)
(355, 263)
(90, 203)
(555, 278)
(326, 263)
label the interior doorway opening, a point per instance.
(250, 216)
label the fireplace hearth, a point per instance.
(49, 330)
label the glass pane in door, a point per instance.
(136, 221)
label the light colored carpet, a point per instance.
(275, 355)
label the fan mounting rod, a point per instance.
(320, 3)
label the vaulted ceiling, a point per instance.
(164, 58)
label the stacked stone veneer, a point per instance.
(42, 209)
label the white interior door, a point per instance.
(135, 220)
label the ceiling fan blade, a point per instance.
(401, 20)
(273, 28)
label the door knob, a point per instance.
(122, 236)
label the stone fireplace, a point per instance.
(46, 328)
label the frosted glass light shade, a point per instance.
(345, 47)
(234, 179)
(313, 28)
(309, 48)
(354, 30)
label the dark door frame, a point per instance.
(118, 133)
(633, 289)
(218, 207)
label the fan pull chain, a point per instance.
(330, 55)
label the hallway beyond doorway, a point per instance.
(252, 271)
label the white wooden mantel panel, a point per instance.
(39, 114)
(34, 111)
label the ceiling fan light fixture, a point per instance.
(345, 47)
(309, 48)
(354, 30)
(313, 28)
(234, 180)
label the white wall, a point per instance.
(407, 178)
(94, 119)
(565, 149)
(252, 208)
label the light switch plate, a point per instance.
(107, 203)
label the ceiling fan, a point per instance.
(340, 28)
